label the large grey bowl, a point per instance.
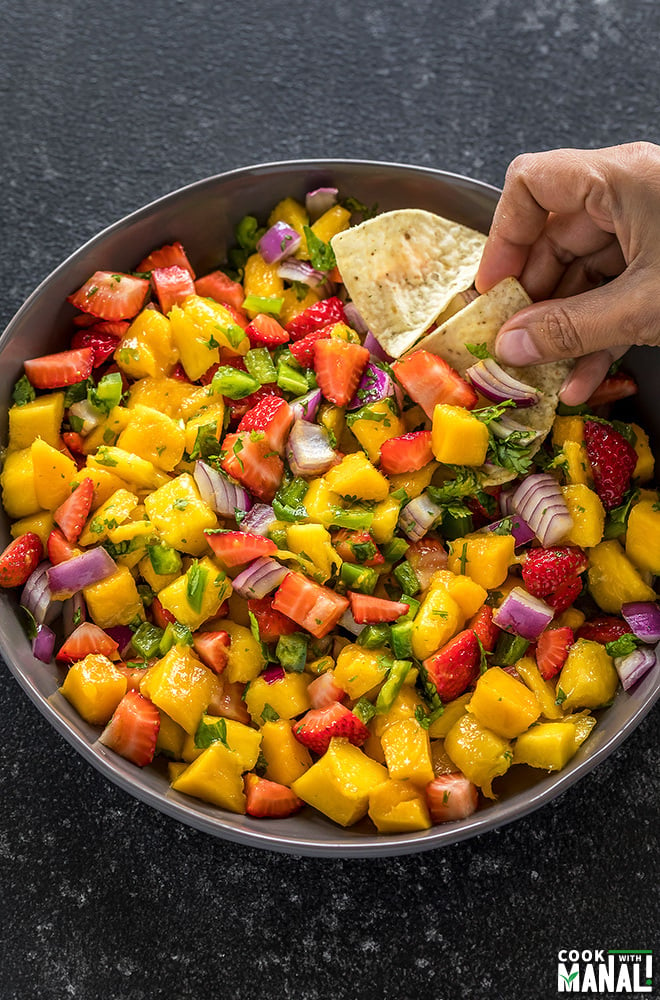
(203, 216)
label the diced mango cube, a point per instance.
(147, 349)
(180, 685)
(197, 594)
(41, 524)
(339, 784)
(503, 704)
(543, 690)
(588, 516)
(643, 471)
(171, 737)
(588, 678)
(286, 757)
(385, 520)
(115, 600)
(53, 472)
(111, 514)
(40, 418)
(288, 696)
(131, 468)
(245, 660)
(154, 436)
(242, 739)
(94, 687)
(157, 581)
(438, 619)
(355, 476)
(180, 516)
(457, 436)
(292, 306)
(262, 280)
(358, 670)
(398, 807)
(549, 745)
(215, 777)
(105, 484)
(172, 396)
(478, 752)
(613, 580)
(485, 558)
(374, 424)
(205, 425)
(569, 428)
(413, 483)
(453, 711)
(643, 536)
(334, 221)
(320, 501)
(314, 541)
(19, 495)
(408, 752)
(468, 594)
(107, 432)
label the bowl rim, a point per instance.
(221, 823)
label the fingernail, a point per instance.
(516, 347)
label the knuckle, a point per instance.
(560, 333)
(521, 166)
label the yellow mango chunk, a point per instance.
(398, 807)
(408, 752)
(355, 476)
(244, 659)
(385, 520)
(643, 471)
(457, 436)
(172, 396)
(242, 739)
(180, 516)
(478, 752)
(197, 594)
(199, 328)
(19, 495)
(502, 704)
(288, 696)
(413, 483)
(438, 619)
(358, 670)
(588, 516)
(105, 484)
(204, 426)
(180, 685)
(171, 737)
(468, 594)
(542, 690)
(41, 524)
(292, 306)
(131, 468)
(215, 777)
(262, 280)
(452, 713)
(147, 349)
(41, 418)
(548, 746)
(154, 436)
(113, 512)
(130, 541)
(295, 215)
(115, 600)
(314, 541)
(567, 429)
(576, 466)
(157, 581)
(94, 687)
(613, 580)
(582, 723)
(334, 221)
(107, 432)
(378, 425)
(643, 536)
(484, 558)
(286, 757)
(53, 472)
(588, 678)
(339, 784)
(319, 502)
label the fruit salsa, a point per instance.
(290, 529)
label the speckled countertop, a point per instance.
(104, 108)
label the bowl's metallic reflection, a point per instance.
(202, 216)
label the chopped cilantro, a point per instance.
(23, 392)
(479, 351)
(624, 645)
(269, 714)
(208, 733)
(321, 254)
(197, 576)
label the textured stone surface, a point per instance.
(105, 107)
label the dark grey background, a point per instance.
(105, 107)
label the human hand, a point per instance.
(567, 220)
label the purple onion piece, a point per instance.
(635, 665)
(308, 450)
(278, 242)
(259, 519)
(319, 201)
(123, 636)
(372, 345)
(644, 619)
(37, 596)
(73, 613)
(417, 517)
(306, 407)
(300, 270)
(355, 321)
(260, 578)
(375, 385)
(497, 385)
(513, 525)
(539, 501)
(523, 614)
(273, 674)
(90, 567)
(219, 492)
(43, 644)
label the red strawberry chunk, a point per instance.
(273, 416)
(71, 515)
(166, 256)
(20, 559)
(74, 443)
(321, 314)
(111, 295)
(54, 371)
(357, 547)
(172, 285)
(265, 331)
(217, 285)
(429, 380)
(324, 690)
(613, 460)
(160, 616)
(239, 407)
(604, 629)
(614, 387)
(565, 595)
(484, 628)
(318, 726)
(312, 606)
(406, 453)
(233, 548)
(252, 461)
(103, 338)
(133, 729)
(270, 799)
(453, 668)
(85, 639)
(59, 550)
(339, 366)
(213, 649)
(450, 797)
(303, 349)
(545, 570)
(368, 609)
(272, 624)
(552, 650)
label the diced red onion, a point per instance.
(523, 614)
(644, 620)
(90, 567)
(348, 622)
(259, 519)
(355, 321)
(259, 578)
(305, 407)
(43, 644)
(219, 492)
(308, 450)
(278, 242)
(123, 636)
(494, 383)
(273, 674)
(73, 613)
(375, 385)
(37, 596)
(417, 516)
(90, 416)
(371, 344)
(515, 526)
(635, 665)
(506, 426)
(319, 201)
(540, 503)
(300, 270)
(505, 501)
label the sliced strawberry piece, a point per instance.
(552, 650)
(614, 387)
(239, 316)
(429, 380)
(312, 606)
(84, 319)
(453, 668)
(133, 729)
(71, 515)
(368, 609)
(274, 417)
(484, 628)
(265, 331)
(160, 616)
(54, 371)
(318, 726)
(303, 350)
(111, 295)
(85, 639)
(227, 701)
(20, 559)
(324, 690)
(545, 570)
(450, 797)
(253, 462)
(406, 453)
(270, 799)
(233, 548)
(217, 285)
(272, 623)
(613, 460)
(321, 314)
(603, 629)
(339, 366)
(179, 373)
(239, 407)
(426, 557)
(212, 649)
(172, 254)
(74, 442)
(172, 285)
(59, 550)
(357, 547)
(103, 339)
(565, 595)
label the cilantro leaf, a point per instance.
(624, 645)
(321, 254)
(479, 351)
(23, 392)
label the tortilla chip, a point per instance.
(479, 323)
(403, 268)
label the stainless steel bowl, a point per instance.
(202, 216)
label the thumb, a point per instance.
(623, 312)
